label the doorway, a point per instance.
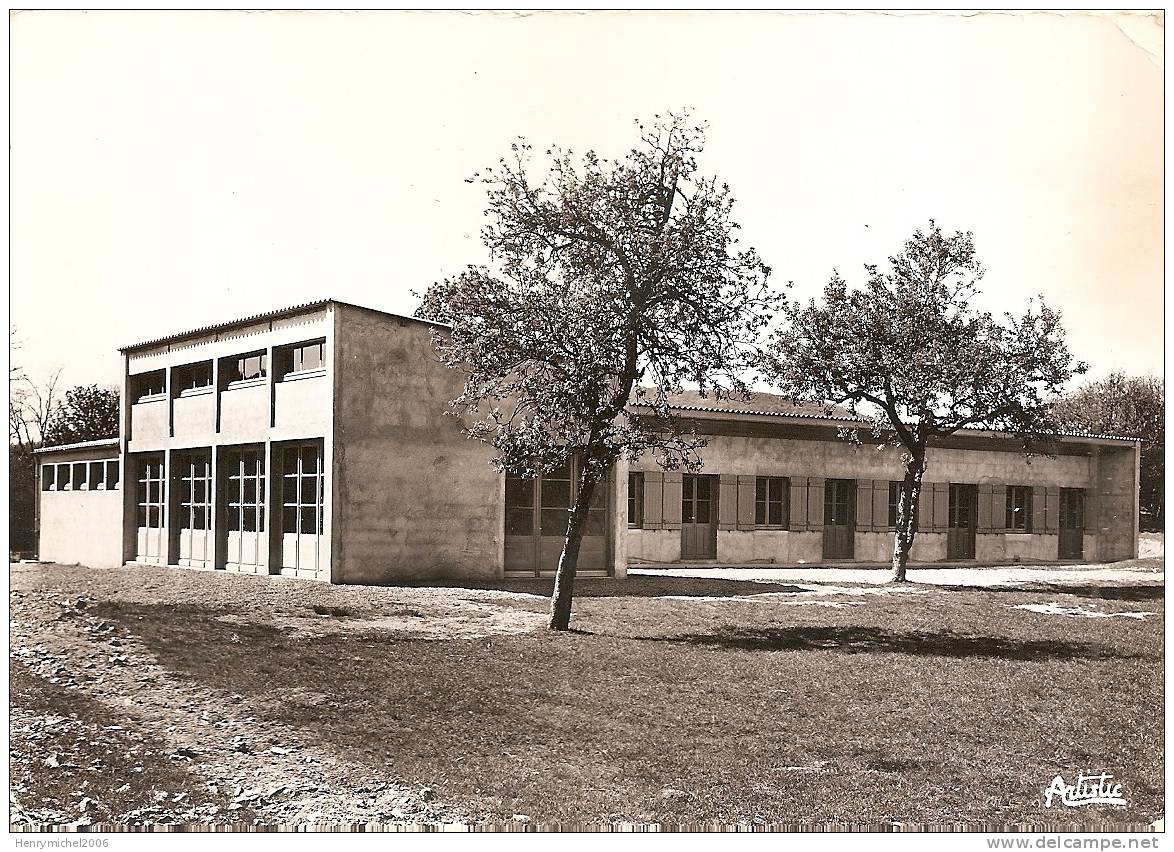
(839, 519)
(963, 521)
(698, 516)
(1071, 523)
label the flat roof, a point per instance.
(80, 445)
(273, 314)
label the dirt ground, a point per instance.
(149, 695)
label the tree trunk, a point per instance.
(907, 505)
(564, 578)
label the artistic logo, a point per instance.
(1088, 790)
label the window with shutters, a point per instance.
(894, 501)
(1019, 508)
(771, 502)
(636, 500)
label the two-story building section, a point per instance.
(314, 442)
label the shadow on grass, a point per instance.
(1111, 593)
(635, 586)
(871, 640)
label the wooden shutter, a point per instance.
(1038, 510)
(999, 508)
(941, 506)
(653, 506)
(984, 508)
(672, 501)
(864, 520)
(799, 503)
(745, 502)
(925, 508)
(815, 512)
(880, 504)
(727, 502)
(1052, 510)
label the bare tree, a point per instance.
(911, 354)
(614, 283)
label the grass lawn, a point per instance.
(926, 705)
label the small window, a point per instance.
(111, 475)
(246, 367)
(48, 477)
(79, 475)
(63, 477)
(636, 500)
(1019, 508)
(771, 499)
(148, 385)
(308, 356)
(97, 478)
(895, 488)
(193, 377)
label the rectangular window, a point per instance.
(246, 367)
(48, 477)
(772, 501)
(111, 475)
(97, 475)
(193, 377)
(63, 476)
(895, 488)
(1019, 508)
(308, 356)
(636, 500)
(79, 475)
(148, 385)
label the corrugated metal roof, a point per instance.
(80, 445)
(792, 415)
(292, 309)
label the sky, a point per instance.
(175, 169)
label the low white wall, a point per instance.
(81, 527)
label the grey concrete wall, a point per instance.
(1116, 503)
(413, 497)
(1106, 473)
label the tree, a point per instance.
(89, 412)
(1134, 406)
(37, 417)
(911, 355)
(31, 408)
(614, 282)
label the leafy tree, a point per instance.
(613, 283)
(89, 412)
(909, 353)
(1127, 405)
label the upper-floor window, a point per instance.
(308, 356)
(193, 377)
(246, 367)
(147, 385)
(771, 501)
(1019, 508)
(636, 500)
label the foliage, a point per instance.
(89, 413)
(1133, 406)
(37, 417)
(911, 354)
(613, 284)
